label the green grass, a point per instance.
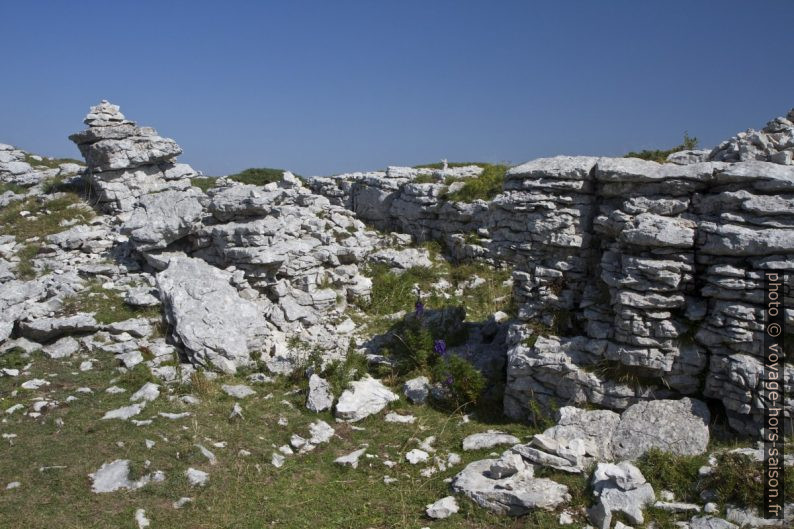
(738, 480)
(50, 163)
(14, 188)
(483, 187)
(440, 165)
(676, 473)
(310, 491)
(48, 214)
(425, 179)
(25, 267)
(205, 183)
(657, 155)
(107, 305)
(258, 176)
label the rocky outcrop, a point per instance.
(634, 280)
(24, 169)
(125, 161)
(395, 200)
(774, 143)
(645, 279)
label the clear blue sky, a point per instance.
(327, 86)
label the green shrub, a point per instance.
(50, 163)
(340, 373)
(136, 377)
(14, 358)
(107, 305)
(25, 268)
(463, 381)
(413, 347)
(47, 216)
(660, 156)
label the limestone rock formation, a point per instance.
(214, 325)
(774, 143)
(125, 161)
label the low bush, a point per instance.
(660, 156)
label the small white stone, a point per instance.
(181, 502)
(417, 456)
(196, 478)
(443, 508)
(141, 519)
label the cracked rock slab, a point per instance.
(208, 317)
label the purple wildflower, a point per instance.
(440, 347)
(449, 380)
(419, 309)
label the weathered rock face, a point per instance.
(774, 143)
(126, 162)
(641, 272)
(393, 200)
(214, 325)
(20, 168)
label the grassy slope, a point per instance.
(310, 491)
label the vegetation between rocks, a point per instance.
(657, 155)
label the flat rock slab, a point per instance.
(114, 476)
(125, 412)
(515, 495)
(197, 478)
(213, 323)
(238, 391)
(443, 508)
(365, 397)
(675, 426)
(63, 348)
(148, 392)
(162, 218)
(489, 439)
(44, 329)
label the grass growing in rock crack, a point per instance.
(483, 187)
(243, 491)
(108, 305)
(50, 163)
(205, 183)
(258, 176)
(25, 268)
